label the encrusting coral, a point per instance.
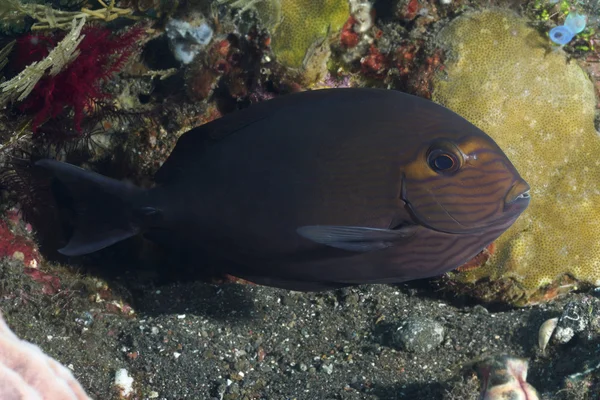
(507, 79)
(27, 373)
(303, 24)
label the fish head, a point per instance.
(462, 184)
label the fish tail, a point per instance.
(102, 210)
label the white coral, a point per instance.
(26, 373)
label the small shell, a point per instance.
(545, 333)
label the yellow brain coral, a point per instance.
(304, 23)
(297, 25)
(504, 77)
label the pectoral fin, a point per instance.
(355, 238)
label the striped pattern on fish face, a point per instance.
(463, 185)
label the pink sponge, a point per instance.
(26, 373)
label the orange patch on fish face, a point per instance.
(461, 185)
(478, 260)
(227, 278)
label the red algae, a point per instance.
(79, 86)
(374, 64)
(348, 37)
(31, 48)
(15, 244)
(410, 10)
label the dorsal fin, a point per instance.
(192, 143)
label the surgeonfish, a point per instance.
(314, 190)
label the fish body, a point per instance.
(316, 190)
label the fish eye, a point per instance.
(443, 160)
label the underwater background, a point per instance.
(111, 86)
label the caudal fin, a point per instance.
(101, 208)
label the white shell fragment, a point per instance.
(545, 333)
(123, 383)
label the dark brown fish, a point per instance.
(315, 190)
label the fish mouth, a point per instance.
(515, 201)
(518, 196)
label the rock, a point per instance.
(419, 335)
(186, 39)
(576, 319)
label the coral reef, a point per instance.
(27, 373)
(220, 341)
(503, 76)
(17, 244)
(382, 52)
(152, 8)
(570, 24)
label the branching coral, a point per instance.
(27, 373)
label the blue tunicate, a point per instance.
(575, 22)
(561, 35)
